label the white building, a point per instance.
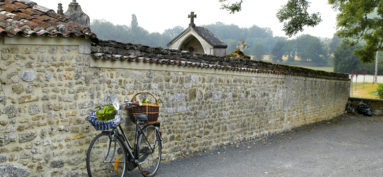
(198, 40)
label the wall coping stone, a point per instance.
(113, 50)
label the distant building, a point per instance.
(198, 40)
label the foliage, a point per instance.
(232, 34)
(344, 59)
(231, 7)
(310, 48)
(295, 16)
(106, 113)
(380, 91)
(259, 51)
(361, 21)
(133, 34)
(277, 51)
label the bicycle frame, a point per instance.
(132, 152)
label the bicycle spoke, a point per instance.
(149, 151)
(106, 156)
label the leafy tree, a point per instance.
(335, 41)
(259, 51)
(173, 32)
(134, 22)
(358, 21)
(310, 48)
(361, 21)
(295, 16)
(344, 59)
(277, 51)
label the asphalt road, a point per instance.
(352, 146)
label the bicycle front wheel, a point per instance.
(106, 156)
(149, 147)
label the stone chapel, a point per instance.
(197, 39)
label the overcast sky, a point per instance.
(158, 15)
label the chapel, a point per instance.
(196, 39)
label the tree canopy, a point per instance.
(359, 22)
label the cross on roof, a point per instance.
(192, 16)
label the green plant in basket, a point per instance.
(147, 101)
(106, 113)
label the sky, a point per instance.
(159, 15)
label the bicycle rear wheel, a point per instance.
(106, 156)
(149, 147)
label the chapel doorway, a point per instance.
(192, 45)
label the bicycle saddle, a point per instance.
(141, 117)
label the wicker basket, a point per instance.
(103, 125)
(151, 110)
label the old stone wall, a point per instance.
(49, 86)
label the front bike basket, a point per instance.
(104, 125)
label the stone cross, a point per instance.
(60, 9)
(192, 16)
(242, 46)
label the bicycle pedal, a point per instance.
(144, 173)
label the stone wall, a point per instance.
(45, 97)
(49, 86)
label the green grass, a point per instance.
(364, 90)
(327, 69)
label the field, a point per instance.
(328, 69)
(364, 90)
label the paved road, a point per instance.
(352, 146)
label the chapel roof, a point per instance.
(207, 35)
(27, 18)
(210, 37)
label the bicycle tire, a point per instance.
(149, 150)
(106, 156)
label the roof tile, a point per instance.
(25, 18)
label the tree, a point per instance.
(259, 51)
(277, 51)
(361, 21)
(335, 41)
(344, 59)
(311, 49)
(358, 21)
(134, 22)
(291, 50)
(173, 32)
(295, 16)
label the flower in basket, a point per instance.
(106, 113)
(146, 101)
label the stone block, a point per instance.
(11, 111)
(27, 137)
(3, 158)
(3, 100)
(27, 99)
(18, 88)
(28, 75)
(9, 170)
(34, 109)
(57, 164)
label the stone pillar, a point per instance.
(60, 9)
(76, 14)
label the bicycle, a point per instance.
(111, 154)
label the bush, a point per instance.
(380, 91)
